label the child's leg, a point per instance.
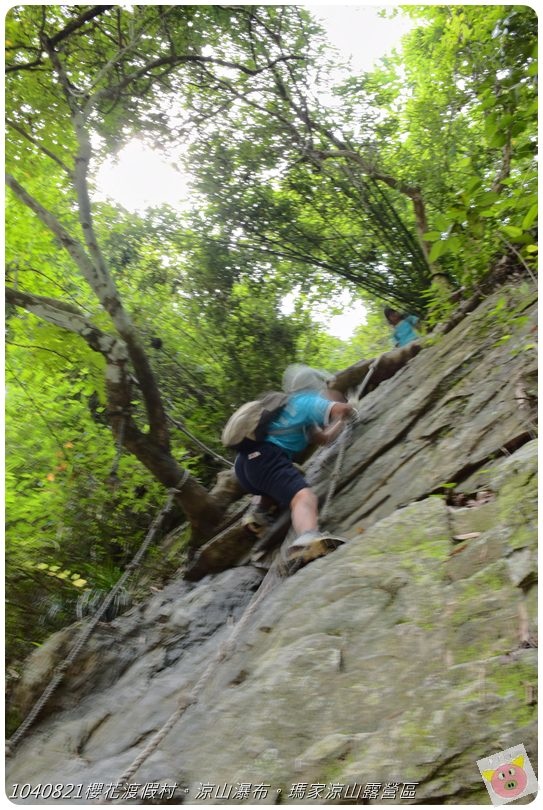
(304, 511)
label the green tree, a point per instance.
(75, 75)
(433, 156)
(465, 123)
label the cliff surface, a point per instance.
(401, 658)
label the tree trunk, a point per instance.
(202, 510)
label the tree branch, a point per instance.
(41, 147)
(413, 192)
(100, 278)
(39, 348)
(173, 61)
(83, 18)
(200, 509)
(505, 167)
(68, 242)
(67, 316)
(24, 66)
(344, 152)
(104, 287)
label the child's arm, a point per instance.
(339, 413)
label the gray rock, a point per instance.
(396, 659)
(522, 567)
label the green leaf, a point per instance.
(438, 249)
(520, 126)
(530, 217)
(498, 140)
(513, 231)
(453, 243)
(456, 213)
(442, 222)
(474, 183)
(488, 101)
(487, 198)
(491, 125)
(432, 236)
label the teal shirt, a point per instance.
(303, 411)
(404, 332)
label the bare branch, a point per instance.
(68, 242)
(41, 147)
(173, 61)
(83, 18)
(66, 316)
(24, 65)
(39, 349)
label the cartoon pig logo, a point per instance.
(509, 780)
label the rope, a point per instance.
(368, 376)
(180, 426)
(317, 460)
(346, 432)
(227, 647)
(180, 484)
(60, 669)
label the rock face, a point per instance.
(403, 657)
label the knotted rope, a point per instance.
(227, 647)
(345, 434)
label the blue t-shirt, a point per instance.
(304, 410)
(404, 332)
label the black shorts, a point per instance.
(263, 468)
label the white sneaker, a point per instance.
(311, 545)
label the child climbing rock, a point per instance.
(403, 324)
(266, 467)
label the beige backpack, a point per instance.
(251, 420)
